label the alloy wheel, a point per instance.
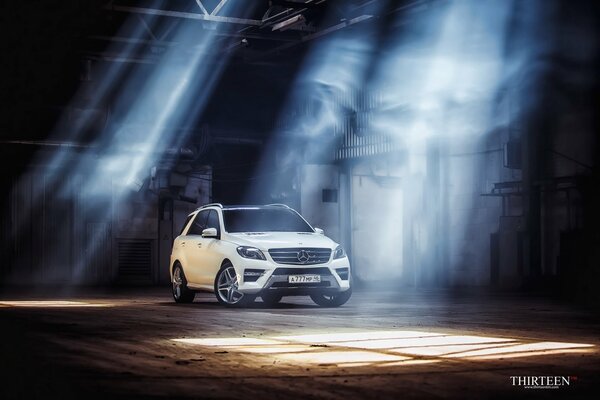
(181, 293)
(177, 283)
(227, 286)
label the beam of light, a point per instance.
(164, 94)
(436, 76)
(388, 348)
(106, 82)
(51, 304)
(313, 115)
(437, 80)
(153, 109)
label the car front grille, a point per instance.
(301, 255)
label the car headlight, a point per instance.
(339, 252)
(251, 252)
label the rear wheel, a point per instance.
(331, 300)
(271, 299)
(226, 288)
(181, 293)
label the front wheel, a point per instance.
(181, 293)
(226, 288)
(331, 300)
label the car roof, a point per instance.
(254, 206)
(243, 206)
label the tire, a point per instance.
(226, 284)
(332, 300)
(181, 293)
(271, 299)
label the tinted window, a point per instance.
(199, 223)
(213, 221)
(263, 220)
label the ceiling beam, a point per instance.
(319, 34)
(146, 27)
(218, 7)
(187, 15)
(202, 7)
(295, 4)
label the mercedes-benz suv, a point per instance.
(243, 252)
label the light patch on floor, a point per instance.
(340, 357)
(521, 350)
(446, 350)
(355, 336)
(386, 348)
(51, 304)
(221, 342)
(445, 340)
(287, 348)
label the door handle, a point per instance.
(199, 244)
(182, 244)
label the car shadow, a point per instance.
(282, 306)
(254, 306)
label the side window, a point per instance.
(185, 224)
(213, 221)
(199, 223)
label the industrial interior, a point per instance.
(450, 146)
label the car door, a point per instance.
(211, 253)
(192, 247)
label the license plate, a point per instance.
(304, 278)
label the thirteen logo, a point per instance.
(303, 256)
(541, 382)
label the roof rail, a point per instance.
(279, 205)
(212, 205)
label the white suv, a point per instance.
(242, 252)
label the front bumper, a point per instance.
(275, 277)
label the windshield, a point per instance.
(263, 220)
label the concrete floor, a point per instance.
(137, 344)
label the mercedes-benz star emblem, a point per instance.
(303, 256)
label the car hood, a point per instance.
(273, 240)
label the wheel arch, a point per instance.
(225, 260)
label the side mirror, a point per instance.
(319, 231)
(209, 233)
